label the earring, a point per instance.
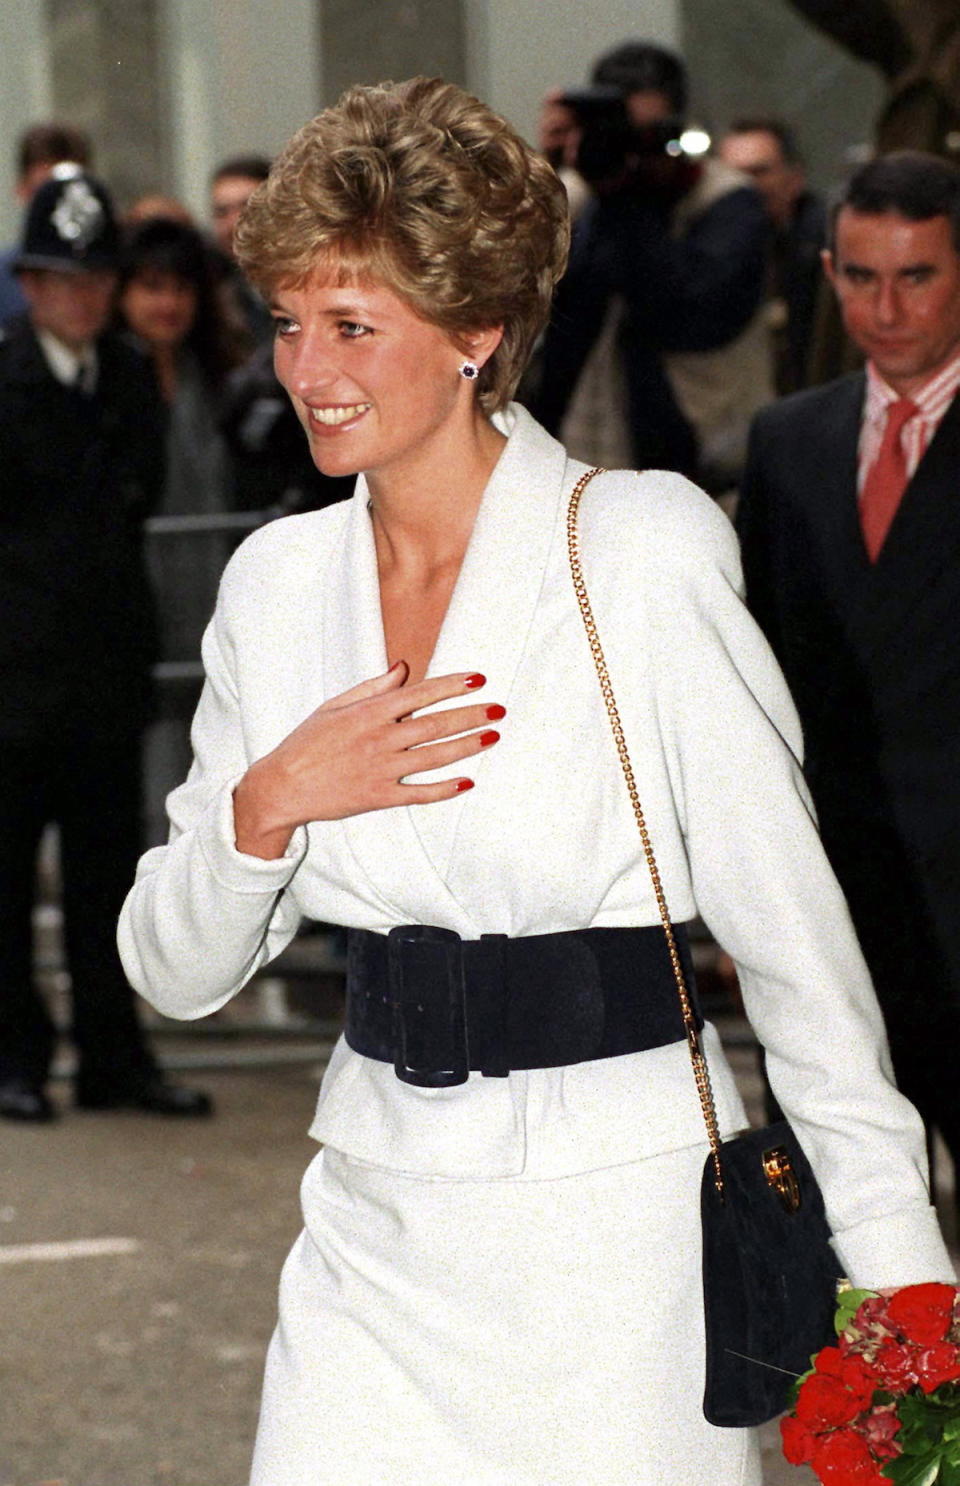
(469, 370)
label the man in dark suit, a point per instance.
(81, 455)
(850, 526)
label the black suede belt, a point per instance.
(439, 1007)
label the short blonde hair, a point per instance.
(419, 187)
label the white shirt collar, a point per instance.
(65, 363)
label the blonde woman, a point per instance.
(401, 731)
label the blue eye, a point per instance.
(283, 326)
(352, 331)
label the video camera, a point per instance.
(615, 154)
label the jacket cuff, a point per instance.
(234, 869)
(902, 1248)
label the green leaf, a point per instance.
(921, 1424)
(908, 1471)
(914, 1408)
(949, 1473)
(794, 1389)
(848, 1303)
(917, 1437)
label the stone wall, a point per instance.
(759, 56)
(390, 39)
(105, 61)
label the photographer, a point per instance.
(657, 323)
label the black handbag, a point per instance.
(769, 1272)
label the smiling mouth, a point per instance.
(331, 417)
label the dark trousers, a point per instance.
(91, 790)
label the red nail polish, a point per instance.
(495, 712)
(487, 738)
(463, 784)
(472, 682)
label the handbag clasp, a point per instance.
(779, 1172)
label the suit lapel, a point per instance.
(497, 592)
(384, 843)
(832, 493)
(406, 852)
(353, 644)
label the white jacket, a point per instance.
(547, 840)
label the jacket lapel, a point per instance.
(384, 843)
(497, 592)
(353, 644)
(832, 494)
(406, 852)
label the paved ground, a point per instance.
(143, 1368)
(140, 1366)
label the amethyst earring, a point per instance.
(469, 370)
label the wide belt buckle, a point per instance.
(425, 975)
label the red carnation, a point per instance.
(853, 1372)
(896, 1365)
(824, 1403)
(880, 1428)
(843, 1459)
(898, 1351)
(938, 1364)
(861, 1380)
(798, 1442)
(872, 1314)
(923, 1312)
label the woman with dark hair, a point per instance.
(498, 1282)
(168, 301)
(168, 298)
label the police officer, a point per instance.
(81, 442)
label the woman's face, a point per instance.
(375, 387)
(159, 306)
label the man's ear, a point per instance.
(829, 267)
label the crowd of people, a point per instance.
(356, 321)
(687, 307)
(120, 340)
(502, 1223)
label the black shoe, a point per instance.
(22, 1100)
(151, 1092)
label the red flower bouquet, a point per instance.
(884, 1403)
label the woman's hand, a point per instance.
(352, 753)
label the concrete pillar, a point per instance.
(518, 49)
(385, 39)
(239, 80)
(26, 93)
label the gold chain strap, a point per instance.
(699, 1062)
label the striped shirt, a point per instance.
(932, 402)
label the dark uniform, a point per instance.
(80, 470)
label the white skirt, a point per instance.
(495, 1333)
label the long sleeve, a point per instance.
(202, 917)
(764, 887)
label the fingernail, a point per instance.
(463, 784)
(495, 712)
(472, 682)
(487, 738)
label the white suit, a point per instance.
(439, 1221)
